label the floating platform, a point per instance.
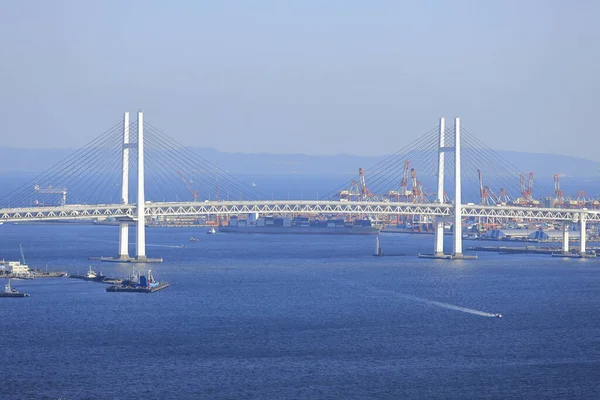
(138, 289)
(515, 250)
(447, 257)
(99, 279)
(127, 260)
(574, 255)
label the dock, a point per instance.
(127, 260)
(137, 289)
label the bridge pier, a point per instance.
(565, 238)
(124, 226)
(582, 234)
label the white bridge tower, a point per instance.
(140, 243)
(456, 219)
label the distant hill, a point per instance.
(301, 176)
(38, 160)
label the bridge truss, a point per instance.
(168, 209)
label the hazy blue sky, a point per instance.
(319, 77)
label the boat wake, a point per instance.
(172, 246)
(451, 306)
(440, 304)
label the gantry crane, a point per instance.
(189, 184)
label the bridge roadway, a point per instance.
(156, 209)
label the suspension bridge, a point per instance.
(163, 172)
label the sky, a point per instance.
(314, 77)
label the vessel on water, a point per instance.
(212, 231)
(300, 225)
(378, 251)
(12, 292)
(140, 284)
(193, 239)
(91, 275)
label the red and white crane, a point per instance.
(189, 184)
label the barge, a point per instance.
(143, 284)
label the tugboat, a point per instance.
(90, 275)
(12, 292)
(144, 284)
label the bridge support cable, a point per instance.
(422, 160)
(503, 172)
(169, 162)
(166, 166)
(200, 169)
(496, 172)
(392, 163)
(79, 177)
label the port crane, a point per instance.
(488, 197)
(350, 194)
(484, 191)
(526, 190)
(365, 193)
(189, 184)
(559, 195)
(404, 182)
(418, 196)
(504, 197)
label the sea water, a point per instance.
(296, 316)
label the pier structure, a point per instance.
(582, 234)
(565, 237)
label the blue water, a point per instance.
(294, 317)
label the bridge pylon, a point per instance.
(457, 226)
(124, 225)
(140, 238)
(438, 249)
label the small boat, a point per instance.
(193, 239)
(12, 292)
(91, 274)
(378, 251)
(212, 231)
(498, 315)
